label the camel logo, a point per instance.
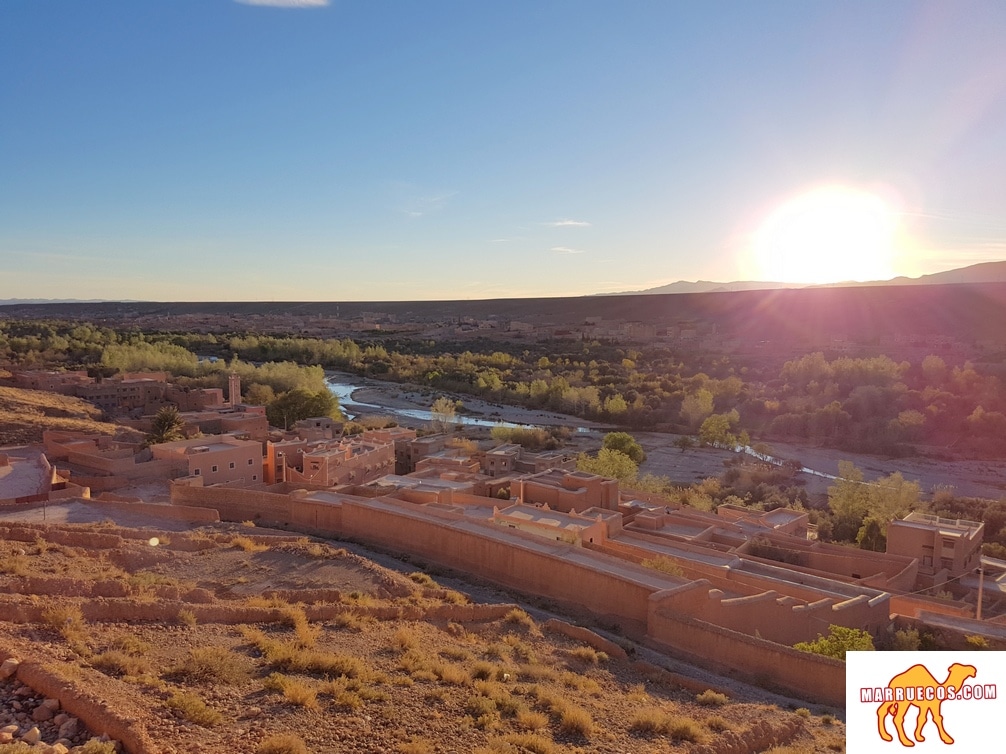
(914, 702)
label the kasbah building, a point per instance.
(734, 590)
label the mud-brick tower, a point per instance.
(234, 389)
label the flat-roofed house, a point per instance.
(945, 547)
(217, 459)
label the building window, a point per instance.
(196, 472)
(254, 477)
(214, 469)
(250, 462)
(232, 464)
(946, 563)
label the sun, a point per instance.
(828, 235)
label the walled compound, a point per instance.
(732, 589)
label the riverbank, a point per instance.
(375, 397)
(986, 479)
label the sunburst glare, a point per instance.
(827, 235)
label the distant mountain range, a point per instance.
(18, 301)
(985, 272)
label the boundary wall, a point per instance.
(629, 595)
(808, 675)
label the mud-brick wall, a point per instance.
(509, 560)
(267, 508)
(316, 517)
(810, 676)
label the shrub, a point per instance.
(194, 709)
(450, 674)
(456, 654)
(68, 620)
(404, 639)
(120, 663)
(131, 645)
(519, 618)
(423, 579)
(588, 655)
(293, 690)
(214, 665)
(717, 724)
(248, 545)
(906, 640)
(529, 720)
(685, 729)
(664, 565)
(839, 640)
(574, 721)
(976, 641)
(351, 622)
(94, 746)
(483, 671)
(415, 746)
(653, 722)
(649, 722)
(531, 743)
(710, 698)
(187, 617)
(284, 743)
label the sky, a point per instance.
(352, 150)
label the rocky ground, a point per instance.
(226, 638)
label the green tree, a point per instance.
(720, 429)
(166, 426)
(871, 535)
(684, 442)
(840, 639)
(442, 414)
(852, 500)
(259, 395)
(300, 403)
(609, 463)
(697, 406)
(625, 443)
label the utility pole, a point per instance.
(981, 589)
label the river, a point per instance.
(343, 389)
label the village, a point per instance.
(731, 589)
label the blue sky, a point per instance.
(369, 150)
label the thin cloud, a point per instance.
(566, 250)
(569, 224)
(286, 3)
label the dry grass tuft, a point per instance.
(120, 663)
(529, 720)
(655, 722)
(289, 656)
(518, 617)
(404, 639)
(293, 690)
(423, 579)
(710, 698)
(284, 743)
(248, 545)
(214, 665)
(588, 655)
(194, 709)
(415, 746)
